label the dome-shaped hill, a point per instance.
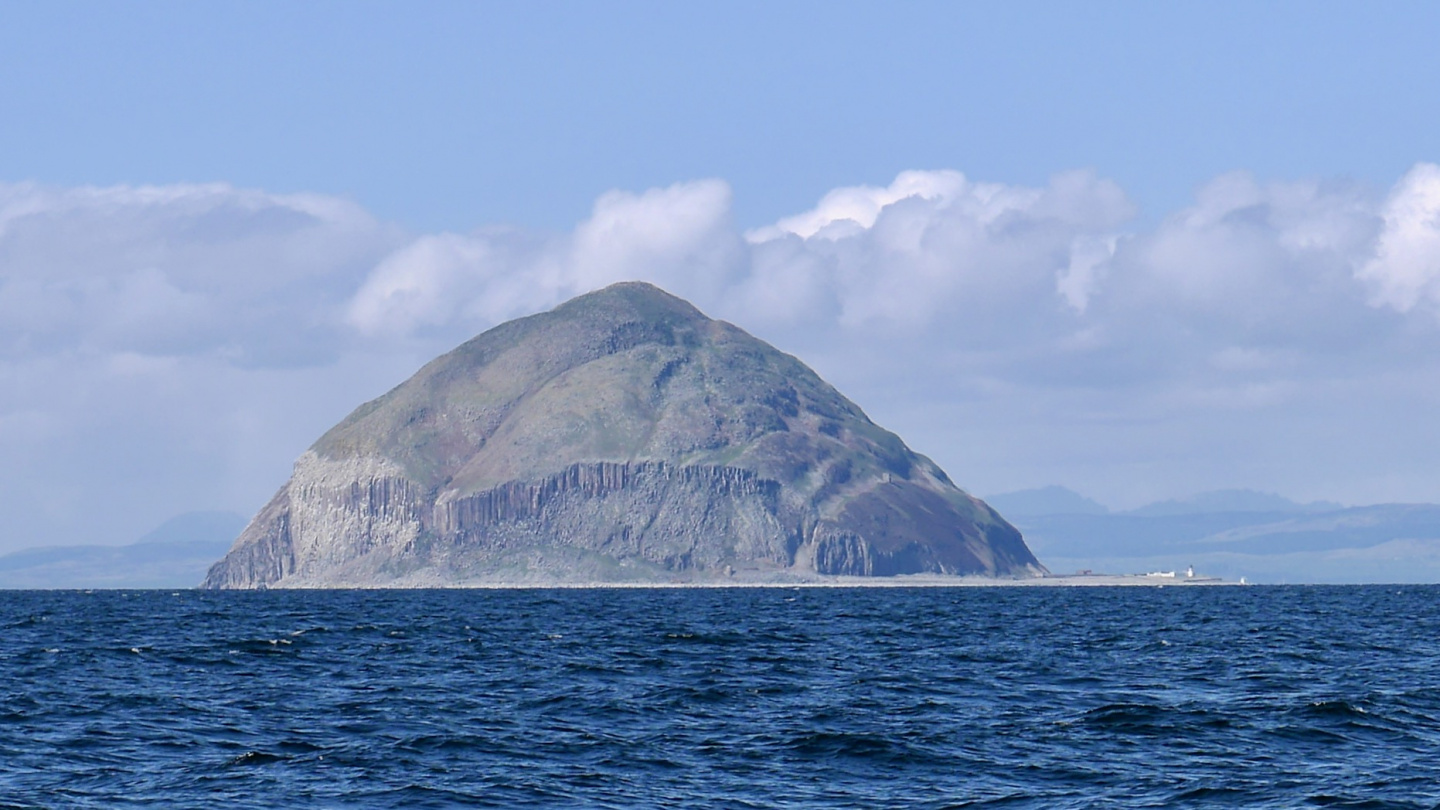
(622, 436)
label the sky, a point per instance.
(1140, 250)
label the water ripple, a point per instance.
(923, 698)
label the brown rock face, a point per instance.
(623, 436)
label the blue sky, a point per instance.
(449, 115)
(1142, 250)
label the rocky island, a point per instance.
(623, 437)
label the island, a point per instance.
(622, 437)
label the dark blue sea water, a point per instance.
(928, 698)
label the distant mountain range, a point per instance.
(1232, 534)
(175, 555)
(1058, 500)
(1052, 500)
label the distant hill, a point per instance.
(175, 554)
(1296, 543)
(1052, 500)
(1232, 500)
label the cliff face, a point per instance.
(622, 436)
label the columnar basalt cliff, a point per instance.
(621, 437)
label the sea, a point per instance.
(1263, 696)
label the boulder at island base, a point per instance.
(621, 437)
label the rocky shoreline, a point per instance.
(898, 581)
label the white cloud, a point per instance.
(1089, 254)
(934, 246)
(897, 259)
(1405, 270)
(173, 347)
(679, 237)
(860, 206)
(1031, 284)
(414, 287)
(682, 233)
(180, 270)
(1249, 265)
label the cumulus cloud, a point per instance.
(937, 247)
(1405, 269)
(1248, 265)
(431, 281)
(682, 234)
(1031, 285)
(1021, 335)
(894, 258)
(1089, 256)
(180, 270)
(854, 208)
(680, 237)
